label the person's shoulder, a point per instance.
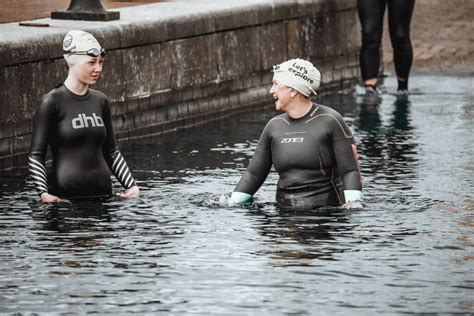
(334, 119)
(98, 94)
(329, 113)
(276, 124)
(279, 119)
(324, 109)
(53, 97)
(55, 92)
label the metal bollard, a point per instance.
(90, 10)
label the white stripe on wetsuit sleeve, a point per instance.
(122, 172)
(38, 174)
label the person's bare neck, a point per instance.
(75, 85)
(299, 108)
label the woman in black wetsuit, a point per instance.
(309, 145)
(371, 14)
(76, 123)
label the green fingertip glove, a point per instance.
(240, 198)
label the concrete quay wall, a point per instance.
(176, 64)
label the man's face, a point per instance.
(281, 94)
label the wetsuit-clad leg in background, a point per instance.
(371, 19)
(371, 14)
(399, 17)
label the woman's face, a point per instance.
(89, 72)
(281, 94)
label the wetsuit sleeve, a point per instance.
(45, 122)
(259, 166)
(112, 155)
(345, 155)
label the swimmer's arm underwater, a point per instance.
(352, 189)
(44, 118)
(45, 197)
(256, 172)
(121, 171)
(351, 182)
(347, 162)
(348, 168)
(117, 164)
(240, 198)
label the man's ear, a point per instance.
(293, 92)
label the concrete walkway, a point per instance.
(24, 10)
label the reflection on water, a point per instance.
(388, 148)
(303, 235)
(175, 250)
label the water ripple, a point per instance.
(178, 250)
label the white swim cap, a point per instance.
(78, 41)
(298, 74)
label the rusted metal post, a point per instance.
(90, 10)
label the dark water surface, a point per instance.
(174, 250)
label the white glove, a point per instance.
(235, 198)
(353, 199)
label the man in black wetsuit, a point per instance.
(76, 123)
(309, 145)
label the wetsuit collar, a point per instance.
(311, 112)
(85, 96)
